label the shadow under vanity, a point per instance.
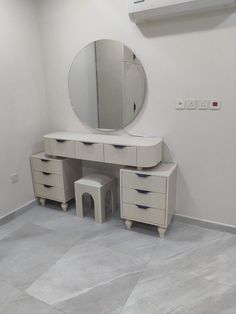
(147, 185)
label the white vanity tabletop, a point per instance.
(162, 169)
(105, 138)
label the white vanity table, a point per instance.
(107, 91)
(148, 186)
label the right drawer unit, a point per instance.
(149, 196)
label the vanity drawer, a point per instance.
(50, 192)
(89, 151)
(147, 215)
(62, 148)
(46, 165)
(145, 198)
(48, 179)
(118, 154)
(144, 182)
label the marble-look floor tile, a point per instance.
(106, 299)
(172, 299)
(71, 265)
(224, 274)
(81, 269)
(192, 236)
(29, 216)
(29, 252)
(27, 305)
(210, 258)
(223, 302)
(128, 242)
(72, 226)
(8, 294)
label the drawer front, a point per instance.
(45, 165)
(50, 192)
(144, 182)
(48, 179)
(122, 155)
(89, 151)
(62, 148)
(148, 215)
(140, 197)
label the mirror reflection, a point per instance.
(107, 85)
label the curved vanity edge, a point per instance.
(141, 152)
(149, 156)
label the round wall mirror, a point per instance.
(107, 85)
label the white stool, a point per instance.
(97, 186)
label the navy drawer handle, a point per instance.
(61, 141)
(47, 186)
(143, 192)
(46, 173)
(87, 143)
(141, 175)
(119, 146)
(142, 207)
(45, 160)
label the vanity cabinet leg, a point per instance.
(161, 231)
(42, 201)
(64, 207)
(129, 224)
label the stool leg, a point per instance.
(113, 201)
(79, 205)
(99, 209)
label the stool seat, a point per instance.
(95, 179)
(97, 185)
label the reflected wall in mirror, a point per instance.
(107, 85)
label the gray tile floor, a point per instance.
(53, 262)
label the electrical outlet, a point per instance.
(191, 104)
(203, 104)
(14, 178)
(180, 104)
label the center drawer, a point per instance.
(89, 151)
(62, 148)
(47, 165)
(119, 154)
(144, 181)
(48, 179)
(50, 192)
(145, 198)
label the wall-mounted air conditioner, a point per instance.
(145, 10)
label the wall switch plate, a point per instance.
(191, 104)
(203, 104)
(180, 104)
(215, 105)
(14, 178)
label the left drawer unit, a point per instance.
(53, 178)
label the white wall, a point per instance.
(24, 117)
(192, 57)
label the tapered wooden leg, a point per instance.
(64, 207)
(42, 201)
(161, 231)
(129, 224)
